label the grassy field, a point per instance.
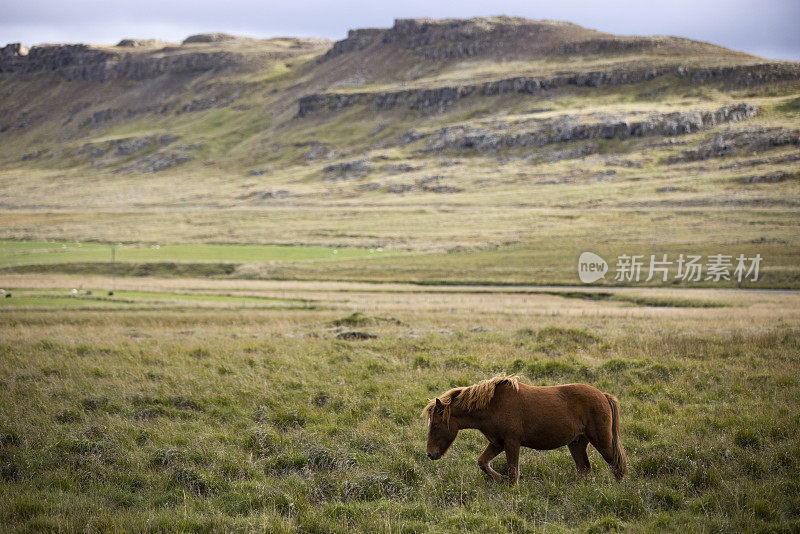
(48, 252)
(229, 417)
(548, 255)
(108, 299)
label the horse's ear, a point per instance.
(439, 403)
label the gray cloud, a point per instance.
(767, 28)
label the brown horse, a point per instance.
(511, 415)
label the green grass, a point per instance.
(505, 245)
(92, 298)
(59, 302)
(49, 252)
(155, 269)
(661, 302)
(176, 419)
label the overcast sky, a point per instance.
(767, 28)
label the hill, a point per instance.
(498, 147)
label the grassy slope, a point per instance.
(193, 420)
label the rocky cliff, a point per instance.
(569, 128)
(730, 142)
(438, 99)
(504, 37)
(141, 59)
(356, 40)
(82, 62)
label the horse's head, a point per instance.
(441, 431)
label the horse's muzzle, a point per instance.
(434, 456)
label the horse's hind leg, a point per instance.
(488, 454)
(578, 450)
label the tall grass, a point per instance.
(251, 420)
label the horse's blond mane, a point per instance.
(469, 398)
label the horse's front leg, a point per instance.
(512, 458)
(490, 452)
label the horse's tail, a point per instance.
(619, 462)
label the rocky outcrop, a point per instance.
(441, 39)
(116, 151)
(442, 189)
(99, 117)
(400, 188)
(132, 146)
(503, 38)
(578, 152)
(569, 128)
(409, 137)
(210, 38)
(618, 45)
(398, 168)
(12, 57)
(13, 50)
(141, 43)
(138, 68)
(369, 186)
(347, 170)
(155, 162)
(771, 177)
(202, 104)
(731, 142)
(741, 76)
(788, 158)
(75, 61)
(267, 195)
(82, 62)
(319, 151)
(430, 184)
(126, 146)
(356, 40)
(438, 99)
(35, 155)
(329, 102)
